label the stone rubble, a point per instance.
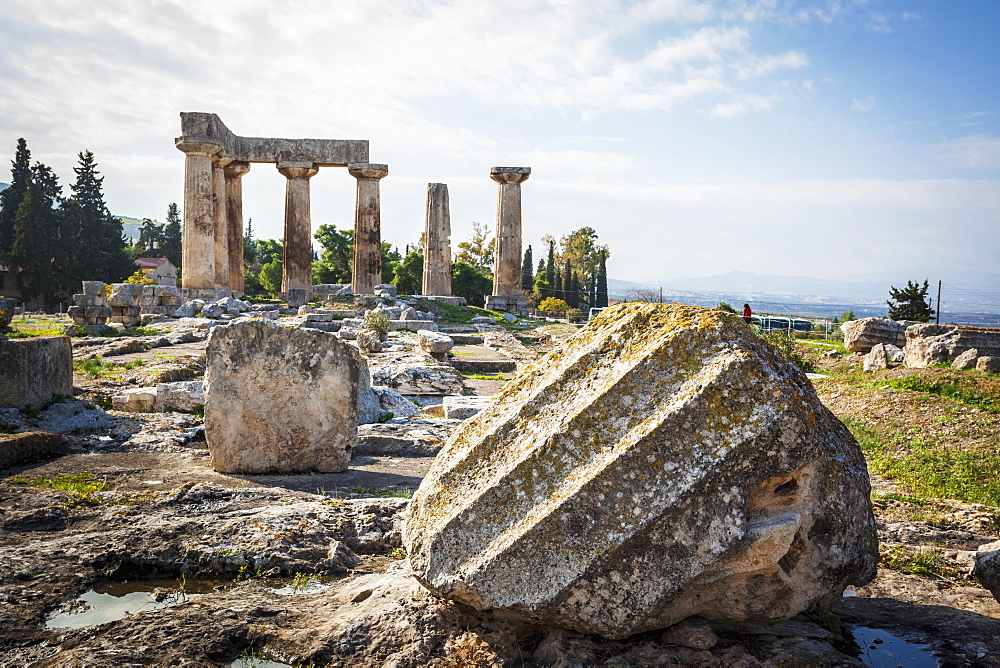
(861, 335)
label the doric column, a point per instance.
(198, 239)
(367, 267)
(219, 163)
(234, 172)
(297, 269)
(437, 248)
(507, 267)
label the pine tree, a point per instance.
(150, 238)
(557, 285)
(172, 236)
(38, 244)
(568, 283)
(910, 303)
(527, 278)
(10, 198)
(551, 270)
(601, 300)
(97, 235)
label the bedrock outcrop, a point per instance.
(665, 463)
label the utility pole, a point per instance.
(937, 320)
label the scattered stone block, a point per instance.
(861, 335)
(392, 401)
(694, 633)
(182, 396)
(368, 341)
(385, 290)
(135, 400)
(33, 371)
(987, 567)
(434, 343)
(296, 297)
(462, 408)
(988, 363)
(419, 380)
(93, 288)
(876, 359)
(34, 446)
(665, 463)
(319, 317)
(966, 360)
(280, 400)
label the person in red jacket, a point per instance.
(747, 313)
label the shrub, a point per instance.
(378, 323)
(553, 305)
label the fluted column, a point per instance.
(507, 268)
(367, 267)
(234, 172)
(437, 246)
(297, 268)
(221, 223)
(198, 239)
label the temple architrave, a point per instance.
(216, 160)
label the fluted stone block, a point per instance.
(665, 463)
(280, 400)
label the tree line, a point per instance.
(574, 273)
(48, 242)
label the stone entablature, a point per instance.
(198, 127)
(217, 159)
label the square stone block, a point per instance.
(148, 290)
(169, 300)
(93, 287)
(88, 300)
(33, 370)
(148, 300)
(76, 312)
(165, 290)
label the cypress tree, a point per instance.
(99, 247)
(35, 255)
(172, 235)
(575, 293)
(527, 278)
(602, 282)
(568, 283)
(10, 198)
(551, 270)
(557, 285)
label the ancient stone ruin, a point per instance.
(33, 371)
(216, 161)
(507, 264)
(437, 247)
(916, 344)
(665, 464)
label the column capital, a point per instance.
(197, 145)
(510, 174)
(237, 168)
(367, 170)
(298, 170)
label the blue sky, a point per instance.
(822, 138)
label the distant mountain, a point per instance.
(4, 186)
(968, 297)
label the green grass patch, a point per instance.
(482, 376)
(462, 315)
(956, 388)
(82, 490)
(98, 367)
(395, 492)
(919, 561)
(932, 469)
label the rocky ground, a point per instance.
(308, 570)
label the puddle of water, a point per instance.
(309, 585)
(257, 663)
(111, 601)
(881, 649)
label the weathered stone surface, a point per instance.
(664, 464)
(368, 341)
(399, 436)
(394, 402)
(135, 400)
(694, 633)
(987, 567)
(33, 446)
(414, 380)
(180, 396)
(861, 335)
(966, 360)
(462, 408)
(33, 370)
(876, 359)
(988, 363)
(280, 400)
(434, 343)
(6, 311)
(928, 344)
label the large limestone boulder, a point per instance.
(33, 371)
(861, 335)
(987, 567)
(928, 344)
(280, 400)
(665, 463)
(877, 359)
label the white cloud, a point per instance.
(743, 104)
(978, 152)
(863, 104)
